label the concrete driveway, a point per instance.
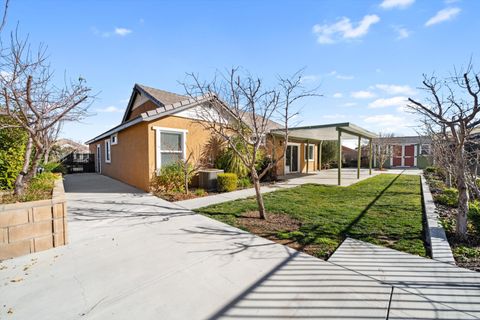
(134, 256)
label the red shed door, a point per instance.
(409, 156)
(397, 156)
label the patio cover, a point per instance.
(334, 131)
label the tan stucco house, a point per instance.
(160, 127)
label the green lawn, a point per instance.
(385, 210)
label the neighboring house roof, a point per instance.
(68, 143)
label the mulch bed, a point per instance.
(447, 216)
(270, 227)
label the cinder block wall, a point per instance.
(33, 226)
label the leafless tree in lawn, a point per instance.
(30, 97)
(452, 110)
(383, 148)
(241, 109)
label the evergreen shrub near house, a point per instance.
(448, 197)
(227, 182)
(329, 154)
(170, 179)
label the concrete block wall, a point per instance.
(33, 226)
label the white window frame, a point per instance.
(307, 152)
(108, 151)
(158, 144)
(421, 149)
(114, 139)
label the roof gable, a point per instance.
(158, 97)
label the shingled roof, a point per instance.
(163, 97)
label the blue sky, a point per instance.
(365, 56)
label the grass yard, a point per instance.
(385, 210)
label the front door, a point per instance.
(98, 162)
(291, 160)
(397, 156)
(409, 156)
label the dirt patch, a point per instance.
(270, 227)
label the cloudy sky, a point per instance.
(366, 57)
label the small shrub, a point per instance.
(227, 182)
(448, 197)
(55, 167)
(243, 183)
(169, 179)
(431, 169)
(465, 254)
(200, 192)
(40, 187)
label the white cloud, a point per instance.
(110, 109)
(344, 29)
(388, 102)
(336, 116)
(349, 104)
(339, 76)
(393, 89)
(337, 95)
(400, 4)
(387, 122)
(122, 31)
(443, 15)
(402, 32)
(362, 94)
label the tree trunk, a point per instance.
(261, 205)
(463, 196)
(19, 181)
(46, 157)
(35, 164)
(185, 181)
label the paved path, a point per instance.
(134, 256)
(424, 288)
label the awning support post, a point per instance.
(307, 155)
(320, 156)
(339, 157)
(370, 157)
(359, 157)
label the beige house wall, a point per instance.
(129, 157)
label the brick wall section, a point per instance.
(33, 226)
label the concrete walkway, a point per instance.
(423, 288)
(134, 256)
(327, 177)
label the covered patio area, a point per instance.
(312, 137)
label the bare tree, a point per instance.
(31, 98)
(383, 148)
(190, 166)
(241, 110)
(452, 110)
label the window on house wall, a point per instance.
(424, 149)
(309, 153)
(171, 145)
(108, 151)
(114, 139)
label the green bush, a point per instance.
(170, 179)
(243, 183)
(227, 182)
(448, 197)
(430, 170)
(230, 161)
(200, 192)
(12, 150)
(55, 167)
(40, 187)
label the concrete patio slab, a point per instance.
(132, 255)
(424, 288)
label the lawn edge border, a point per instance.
(435, 234)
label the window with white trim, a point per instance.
(108, 151)
(424, 149)
(309, 153)
(170, 146)
(114, 139)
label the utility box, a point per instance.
(207, 178)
